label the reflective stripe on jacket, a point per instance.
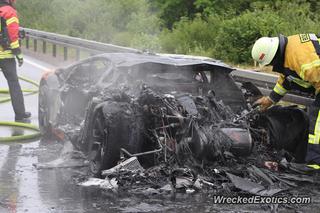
(313, 153)
(12, 23)
(301, 64)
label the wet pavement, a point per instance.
(24, 188)
(44, 176)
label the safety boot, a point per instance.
(24, 118)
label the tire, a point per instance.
(44, 111)
(111, 129)
(85, 133)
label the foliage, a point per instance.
(217, 28)
(236, 36)
(171, 11)
(237, 24)
(224, 8)
(122, 22)
(191, 36)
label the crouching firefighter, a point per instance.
(297, 60)
(9, 50)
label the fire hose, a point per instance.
(27, 126)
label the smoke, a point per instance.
(120, 22)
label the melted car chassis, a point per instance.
(186, 121)
(162, 128)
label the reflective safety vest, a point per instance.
(301, 65)
(9, 30)
(314, 166)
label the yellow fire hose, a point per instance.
(18, 124)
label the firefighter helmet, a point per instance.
(264, 50)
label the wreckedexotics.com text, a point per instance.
(220, 199)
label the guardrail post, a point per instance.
(65, 53)
(54, 50)
(77, 54)
(35, 45)
(27, 42)
(44, 47)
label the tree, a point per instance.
(217, 28)
(195, 37)
(224, 8)
(123, 22)
(171, 11)
(237, 35)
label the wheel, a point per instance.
(44, 111)
(113, 126)
(104, 149)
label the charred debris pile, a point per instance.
(196, 143)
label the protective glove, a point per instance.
(265, 102)
(19, 59)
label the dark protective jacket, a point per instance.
(298, 61)
(10, 31)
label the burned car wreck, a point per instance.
(138, 103)
(178, 116)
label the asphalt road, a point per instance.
(23, 187)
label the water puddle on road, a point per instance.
(14, 131)
(68, 158)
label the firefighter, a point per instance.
(9, 50)
(297, 60)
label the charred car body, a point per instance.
(160, 108)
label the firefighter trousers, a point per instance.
(9, 69)
(313, 153)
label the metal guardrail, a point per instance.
(260, 79)
(67, 42)
(264, 81)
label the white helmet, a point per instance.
(264, 50)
